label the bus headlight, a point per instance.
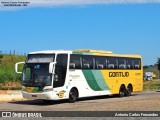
(47, 90)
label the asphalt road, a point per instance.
(141, 101)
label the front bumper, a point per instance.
(43, 95)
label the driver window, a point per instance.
(28, 74)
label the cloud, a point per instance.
(14, 4)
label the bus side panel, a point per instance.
(115, 78)
(88, 82)
(77, 79)
(138, 80)
(96, 82)
(103, 82)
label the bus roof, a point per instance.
(51, 51)
(103, 53)
(85, 52)
(93, 51)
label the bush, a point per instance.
(151, 85)
(7, 70)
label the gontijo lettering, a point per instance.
(118, 74)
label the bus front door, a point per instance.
(60, 70)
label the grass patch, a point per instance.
(7, 69)
(151, 85)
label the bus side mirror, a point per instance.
(16, 67)
(52, 67)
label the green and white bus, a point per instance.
(61, 74)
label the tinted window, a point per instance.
(137, 64)
(27, 73)
(129, 63)
(36, 58)
(75, 62)
(101, 62)
(112, 63)
(121, 63)
(62, 60)
(87, 62)
(60, 70)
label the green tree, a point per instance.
(158, 63)
(1, 56)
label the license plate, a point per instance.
(34, 95)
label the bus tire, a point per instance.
(122, 91)
(73, 95)
(129, 90)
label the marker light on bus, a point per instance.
(47, 90)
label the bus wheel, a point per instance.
(73, 95)
(129, 90)
(122, 91)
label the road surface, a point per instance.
(141, 101)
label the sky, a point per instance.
(120, 26)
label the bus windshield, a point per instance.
(36, 75)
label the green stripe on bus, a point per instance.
(100, 80)
(91, 80)
(38, 89)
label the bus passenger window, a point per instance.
(136, 66)
(137, 63)
(128, 66)
(122, 66)
(111, 66)
(112, 63)
(75, 62)
(87, 62)
(129, 63)
(87, 66)
(72, 65)
(121, 63)
(101, 62)
(100, 66)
